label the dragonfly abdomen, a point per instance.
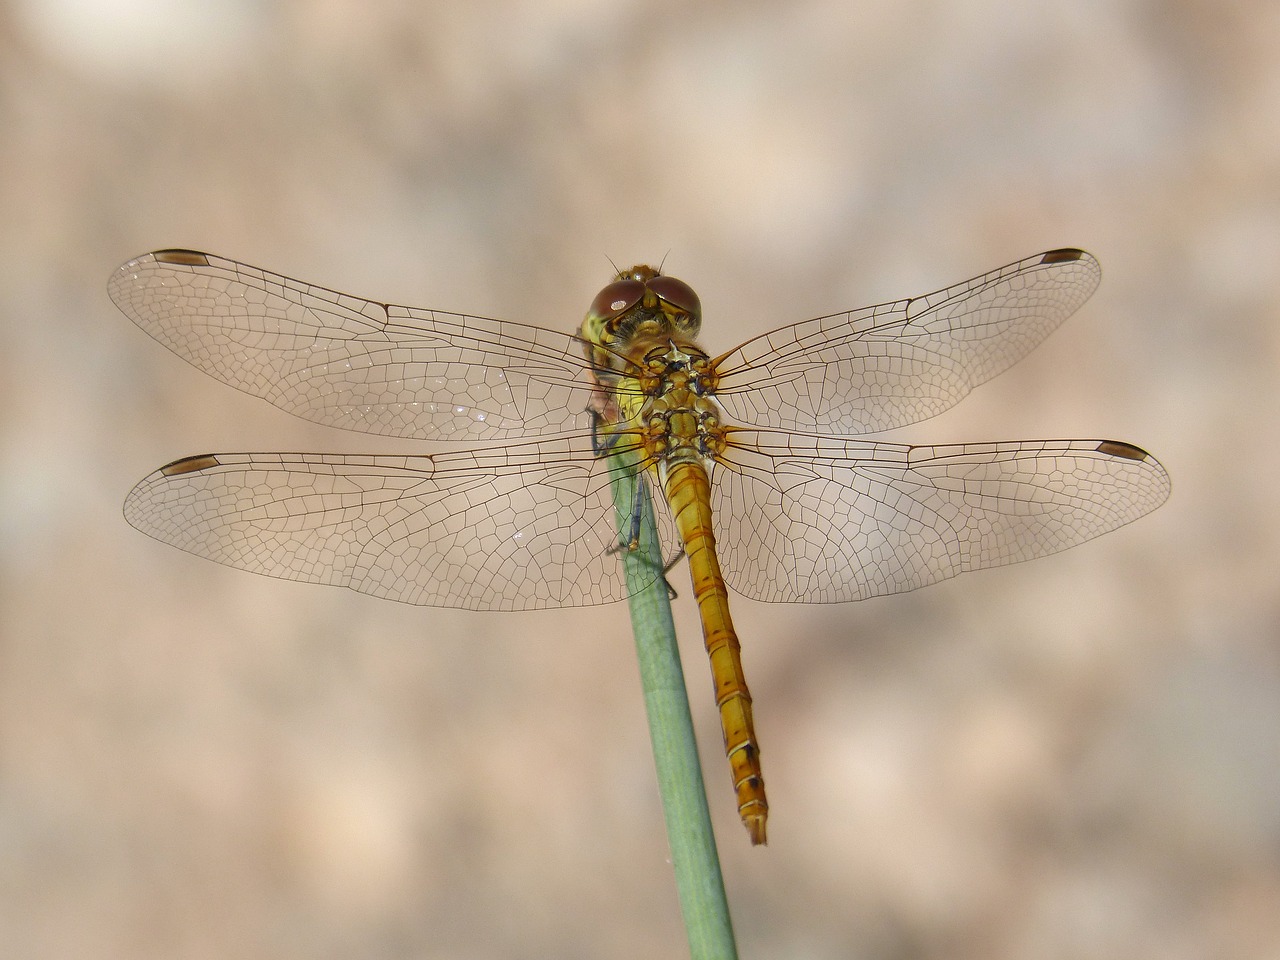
(688, 492)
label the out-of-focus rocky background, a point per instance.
(1076, 758)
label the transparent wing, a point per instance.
(827, 520)
(514, 528)
(892, 364)
(357, 364)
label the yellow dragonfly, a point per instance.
(757, 451)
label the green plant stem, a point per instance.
(699, 883)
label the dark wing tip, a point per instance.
(189, 465)
(190, 258)
(1126, 451)
(1063, 255)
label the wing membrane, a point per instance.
(798, 518)
(889, 365)
(352, 363)
(826, 520)
(513, 528)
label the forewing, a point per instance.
(352, 363)
(892, 364)
(825, 521)
(514, 528)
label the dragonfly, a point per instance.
(761, 453)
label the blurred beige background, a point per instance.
(1075, 758)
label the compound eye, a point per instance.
(677, 293)
(616, 299)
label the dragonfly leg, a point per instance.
(671, 591)
(600, 447)
(632, 542)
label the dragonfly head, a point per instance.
(640, 305)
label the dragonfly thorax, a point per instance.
(671, 407)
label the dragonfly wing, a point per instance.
(358, 364)
(892, 364)
(513, 528)
(827, 520)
